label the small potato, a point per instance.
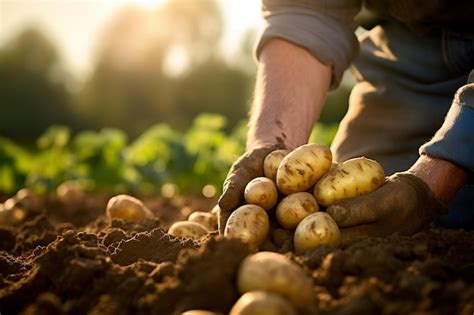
(261, 191)
(207, 219)
(26, 198)
(354, 177)
(262, 303)
(315, 230)
(250, 223)
(215, 210)
(272, 161)
(127, 208)
(188, 229)
(272, 272)
(70, 192)
(294, 208)
(303, 167)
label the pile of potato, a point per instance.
(296, 185)
(198, 225)
(271, 284)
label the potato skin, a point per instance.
(250, 223)
(294, 208)
(127, 208)
(315, 230)
(303, 167)
(354, 177)
(207, 219)
(272, 272)
(262, 303)
(261, 191)
(272, 161)
(188, 229)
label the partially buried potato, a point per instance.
(272, 161)
(207, 219)
(188, 229)
(127, 208)
(303, 167)
(315, 230)
(272, 272)
(262, 303)
(294, 208)
(261, 191)
(354, 177)
(249, 223)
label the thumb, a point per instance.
(352, 234)
(364, 209)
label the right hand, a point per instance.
(247, 167)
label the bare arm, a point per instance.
(290, 91)
(442, 177)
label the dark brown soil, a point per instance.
(68, 259)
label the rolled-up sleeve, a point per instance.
(454, 141)
(325, 28)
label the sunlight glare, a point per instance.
(147, 4)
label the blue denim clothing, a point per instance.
(408, 75)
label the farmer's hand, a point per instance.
(246, 168)
(404, 204)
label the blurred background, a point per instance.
(141, 95)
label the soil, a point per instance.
(67, 258)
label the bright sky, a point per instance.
(74, 24)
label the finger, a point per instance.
(357, 233)
(222, 217)
(246, 168)
(367, 208)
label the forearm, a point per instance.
(442, 177)
(290, 91)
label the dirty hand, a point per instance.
(403, 204)
(246, 168)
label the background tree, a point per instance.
(33, 93)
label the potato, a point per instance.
(352, 178)
(127, 208)
(207, 219)
(215, 210)
(26, 198)
(294, 208)
(249, 223)
(188, 229)
(315, 230)
(272, 161)
(275, 273)
(11, 213)
(261, 191)
(70, 192)
(262, 303)
(303, 167)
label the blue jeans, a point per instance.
(405, 87)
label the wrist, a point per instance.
(442, 177)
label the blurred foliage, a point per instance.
(108, 161)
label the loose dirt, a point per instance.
(69, 259)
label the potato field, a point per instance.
(96, 224)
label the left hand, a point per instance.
(403, 204)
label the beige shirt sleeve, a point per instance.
(324, 28)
